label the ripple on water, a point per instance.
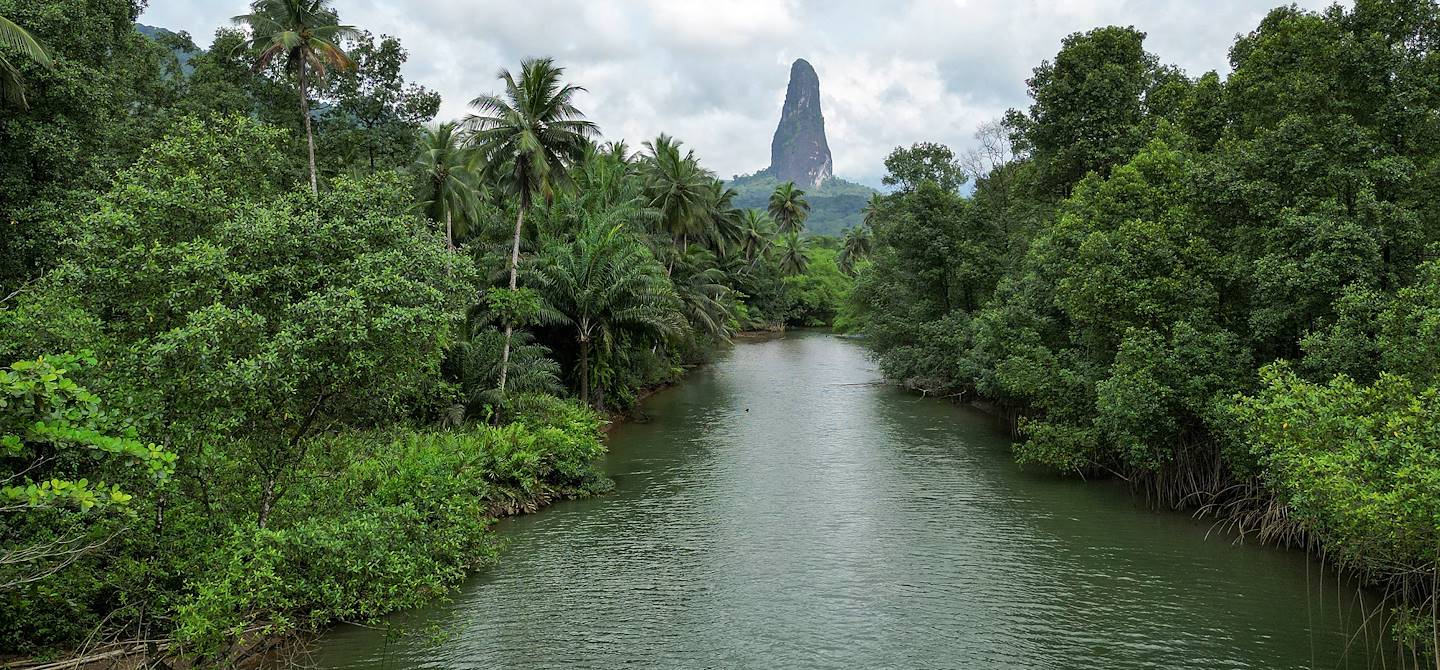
(838, 523)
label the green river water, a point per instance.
(783, 509)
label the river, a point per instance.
(783, 509)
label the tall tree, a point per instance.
(305, 34)
(725, 219)
(789, 208)
(528, 136)
(376, 114)
(680, 190)
(1088, 104)
(450, 179)
(13, 37)
(757, 233)
(794, 255)
(854, 247)
(923, 161)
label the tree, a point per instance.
(450, 179)
(922, 162)
(528, 136)
(725, 221)
(604, 283)
(1088, 104)
(680, 190)
(88, 115)
(789, 208)
(794, 255)
(854, 247)
(376, 114)
(305, 34)
(13, 37)
(757, 234)
(51, 429)
(283, 315)
(704, 297)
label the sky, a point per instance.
(713, 72)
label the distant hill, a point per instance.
(834, 207)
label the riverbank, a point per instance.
(782, 508)
(373, 523)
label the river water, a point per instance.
(782, 509)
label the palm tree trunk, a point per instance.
(514, 268)
(309, 135)
(584, 370)
(449, 231)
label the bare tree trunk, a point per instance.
(309, 135)
(514, 268)
(449, 231)
(267, 499)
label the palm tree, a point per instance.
(726, 222)
(473, 361)
(603, 283)
(794, 255)
(679, 189)
(855, 247)
(528, 136)
(12, 87)
(705, 296)
(789, 208)
(872, 210)
(451, 182)
(757, 234)
(306, 35)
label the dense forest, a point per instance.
(1223, 290)
(278, 348)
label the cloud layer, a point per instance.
(713, 72)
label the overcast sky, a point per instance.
(713, 72)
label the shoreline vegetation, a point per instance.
(276, 348)
(1223, 291)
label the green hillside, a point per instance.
(834, 207)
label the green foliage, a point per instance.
(906, 169)
(376, 115)
(1160, 238)
(55, 430)
(1359, 466)
(397, 520)
(817, 292)
(789, 208)
(835, 205)
(1088, 106)
(89, 110)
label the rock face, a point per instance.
(799, 152)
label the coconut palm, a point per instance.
(604, 284)
(528, 137)
(306, 35)
(854, 247)
(789, 208)
(12, 36)
(757, 232)
(794, 255)
(450, 179)
(726, 222)
(680, 190)
(872, 210)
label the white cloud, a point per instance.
(713, 72)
